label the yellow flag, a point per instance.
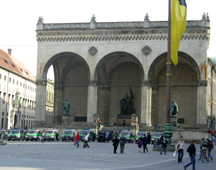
(178, 25)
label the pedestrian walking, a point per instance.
(145, 142)
(192, 153)
(180, 149)
(42, 136)
(210, 146)
(140, 144)
(115, 144)
(122, 142)
(57, 136)
(201, 148)
(77, 139)
(85, 144)
(163, 145)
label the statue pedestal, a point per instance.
(123, 118)
(65, 119)
(173, 120)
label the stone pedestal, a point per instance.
(65, 119)
(123, 118)
(173, 120)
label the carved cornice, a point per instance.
(118, 35)
(117, 25)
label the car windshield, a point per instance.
(32, 132)
(125, 133)
(49, 132)
(157, 134)
(14, 131)
(84, 131)
(68, 132)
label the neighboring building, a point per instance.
(49, 102)
(97, 63)
(17, 93)
(211, 124)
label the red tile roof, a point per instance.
(14, 65)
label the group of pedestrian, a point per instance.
(116, 142)
(142, 143)
(77, 140)
(206, 145)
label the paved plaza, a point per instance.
(64, 155)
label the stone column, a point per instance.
(40, 116)
(58, 112)
(92, 101)
(146, 94)
(104, 105)
(202, 104)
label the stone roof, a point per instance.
(10, 63)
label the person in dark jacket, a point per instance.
(145, 142)
(163, 145)
(122, 141)
(115, 144)
(192, 153)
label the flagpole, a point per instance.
(168, 75)
(167, 128)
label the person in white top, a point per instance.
(180, 149)
(85, 144)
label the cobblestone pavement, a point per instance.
(64, 155)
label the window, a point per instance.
(13, 65)
(9, 80)
(4, 98)
(13, 81)
(20, 84)
(0, 76)
(17, 82)
(5, 61)
(5, 78)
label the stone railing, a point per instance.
(117, 25)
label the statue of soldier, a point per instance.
(66, 107)
(173, 108)
(127, 104)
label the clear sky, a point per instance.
(19, 18)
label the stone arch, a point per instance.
(115, 74)
(72, 74)
(184, 83)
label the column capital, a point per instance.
(92, 83)
(202, 83)
(146, 83)
(40, 82)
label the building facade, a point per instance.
(17, 93)
(97, 64)
(49, 102)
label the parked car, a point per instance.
(155, 136)
(50, 134)
(86, 131)
(139, 134)
(128, 135)
(16, 134)
(68, 134)
(33, 134)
